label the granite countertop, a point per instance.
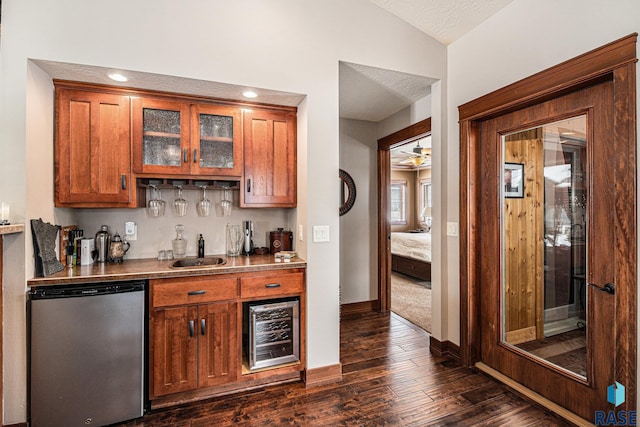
(150, 268)
(11, 228)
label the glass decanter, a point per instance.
(179, 243)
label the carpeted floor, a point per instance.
(411, 299)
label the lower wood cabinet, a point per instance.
(193, 346)
(195, 333)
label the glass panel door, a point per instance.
(161, 137)
(544, 225)
(216, 141)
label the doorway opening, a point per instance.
(404, 225)
(411, 206)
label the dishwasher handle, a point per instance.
(85, 290)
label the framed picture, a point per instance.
(513, 180)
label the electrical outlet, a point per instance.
(130, 231)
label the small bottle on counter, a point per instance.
(200, 247)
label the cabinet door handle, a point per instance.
(203, 326)
(272, 285)
(124, 181)
(184, 155)
(195, 155)
(249, 185)
(202, 292)
(192, 328)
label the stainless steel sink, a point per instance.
(199, 262)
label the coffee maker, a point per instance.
(247, 231)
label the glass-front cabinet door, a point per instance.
(179, 138)
(160, 136)
(216, 147)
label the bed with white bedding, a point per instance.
(411, 254)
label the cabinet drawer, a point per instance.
(272, 285)
(180, 291)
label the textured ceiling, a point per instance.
(444, 20)
(138, 80)
(366, 93)
(373, 94)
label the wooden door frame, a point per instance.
(385, 144)
(615, 61)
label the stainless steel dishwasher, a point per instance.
(86, 354)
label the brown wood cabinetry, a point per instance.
(107, 138)
(269, 159)
(271, 285)
(160, 137)
(181, 138)
(193, 334)
(92, 149)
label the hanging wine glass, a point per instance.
(204, 205)
(155, 206)
(180, 204)
(225, 203)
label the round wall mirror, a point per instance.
(347, 192)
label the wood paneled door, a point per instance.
(549, 231)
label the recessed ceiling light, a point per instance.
(249, 94)
(117, 77)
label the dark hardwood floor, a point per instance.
(389, 378)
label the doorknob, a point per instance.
(609, 288)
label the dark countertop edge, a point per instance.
(111, 274)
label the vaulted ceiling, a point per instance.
(373, 94)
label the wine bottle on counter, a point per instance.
(200, 247)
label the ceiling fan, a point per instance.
(419, 151)
(418, 155)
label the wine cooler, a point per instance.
(271, 333)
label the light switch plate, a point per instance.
(452, 229)
(320, 233)
(300, 232)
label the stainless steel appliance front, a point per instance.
(86, 354)
(273, 337)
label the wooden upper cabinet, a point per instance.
(161, 137)
(269, 159)
(92, 149)
(180, 138)
(216, 146)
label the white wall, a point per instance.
(526, 37)
(359, 226)
(287, 45)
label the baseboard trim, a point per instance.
(444, 348)
(323, 375)
(16, 425)
(360, 307)
(530, 394)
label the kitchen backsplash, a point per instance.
(156, 233)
